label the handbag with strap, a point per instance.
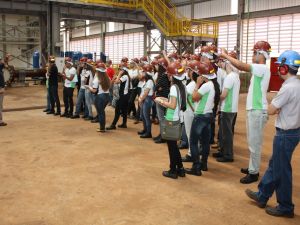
(171, 130)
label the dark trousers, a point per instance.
(54, 98)
(131, 104)
(278, 176)
(200, 131)
(213, 128)
(121, 109)
(175, 156)
(101, 102)
(68, 100)
(226, 134)
(146, 109)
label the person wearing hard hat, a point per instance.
(70, 79)
(286, 104)
(53, 87)
(256, 106)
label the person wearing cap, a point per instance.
(84, 76)
(229, 108)
(2, 87)
(256, 106)
(101, 85)
(203, 95)
(278, 176)
(53, 87)
(133, 92)
(123, 80)
(162, 89)
(174, 112)
(146, 102)
(70, 79)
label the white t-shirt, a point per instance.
(232, 84)
(190, 88)
(257, 93)
(148, 85)
(69, 73)
(97, 85)
(133, 73)
(171, 114)
(84, 75)
(206, 103)
(221, 74)
(123, 79)
(91, 79)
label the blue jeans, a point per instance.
(101, 102)
(80, 100)
(200, 131)
(278, 176)
(146, 109)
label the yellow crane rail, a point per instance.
(165, 16)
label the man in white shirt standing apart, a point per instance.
(257, 105)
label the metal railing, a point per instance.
(166, 17)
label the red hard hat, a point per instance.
(205, 49)
(173, 55)
(262, 46)
(175, 68)
(233, 54)
(163, 62)
(187, 56)
(144, 59)
(194, 66)
(83, 59)
(213, 48)
(206, 68)
(148, 68)
(195, 57)
(154, 62)
(101, 67)
(124, 59)
(136, 60)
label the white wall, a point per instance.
(258, 5)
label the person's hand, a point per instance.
(200, 81)
(223, 53)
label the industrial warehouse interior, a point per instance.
(149, 112)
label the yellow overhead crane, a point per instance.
(165, 16)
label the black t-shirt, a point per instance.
(53, 75)
(2, 82)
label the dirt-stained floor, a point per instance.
(56, 171)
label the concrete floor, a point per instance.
(57, 171)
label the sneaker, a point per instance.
(122, 126)
(146, 136)
(217, 154)
(57, 114)
(274, 211)
(50, 112)
(157, 138)
(2, 124)
(170, 174)
(187, 158)
(141, 132)
(204, 166)
(253, 196)
(75, 117)
(181, 172)
(223, 159)
(64, 115)
(100, 130)
(249, 178)
(159, 141)
(46, 110)
(193, 171)
(111, 127)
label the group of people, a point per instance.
(196, 90)
(3, 64)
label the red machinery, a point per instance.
(275, 81)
